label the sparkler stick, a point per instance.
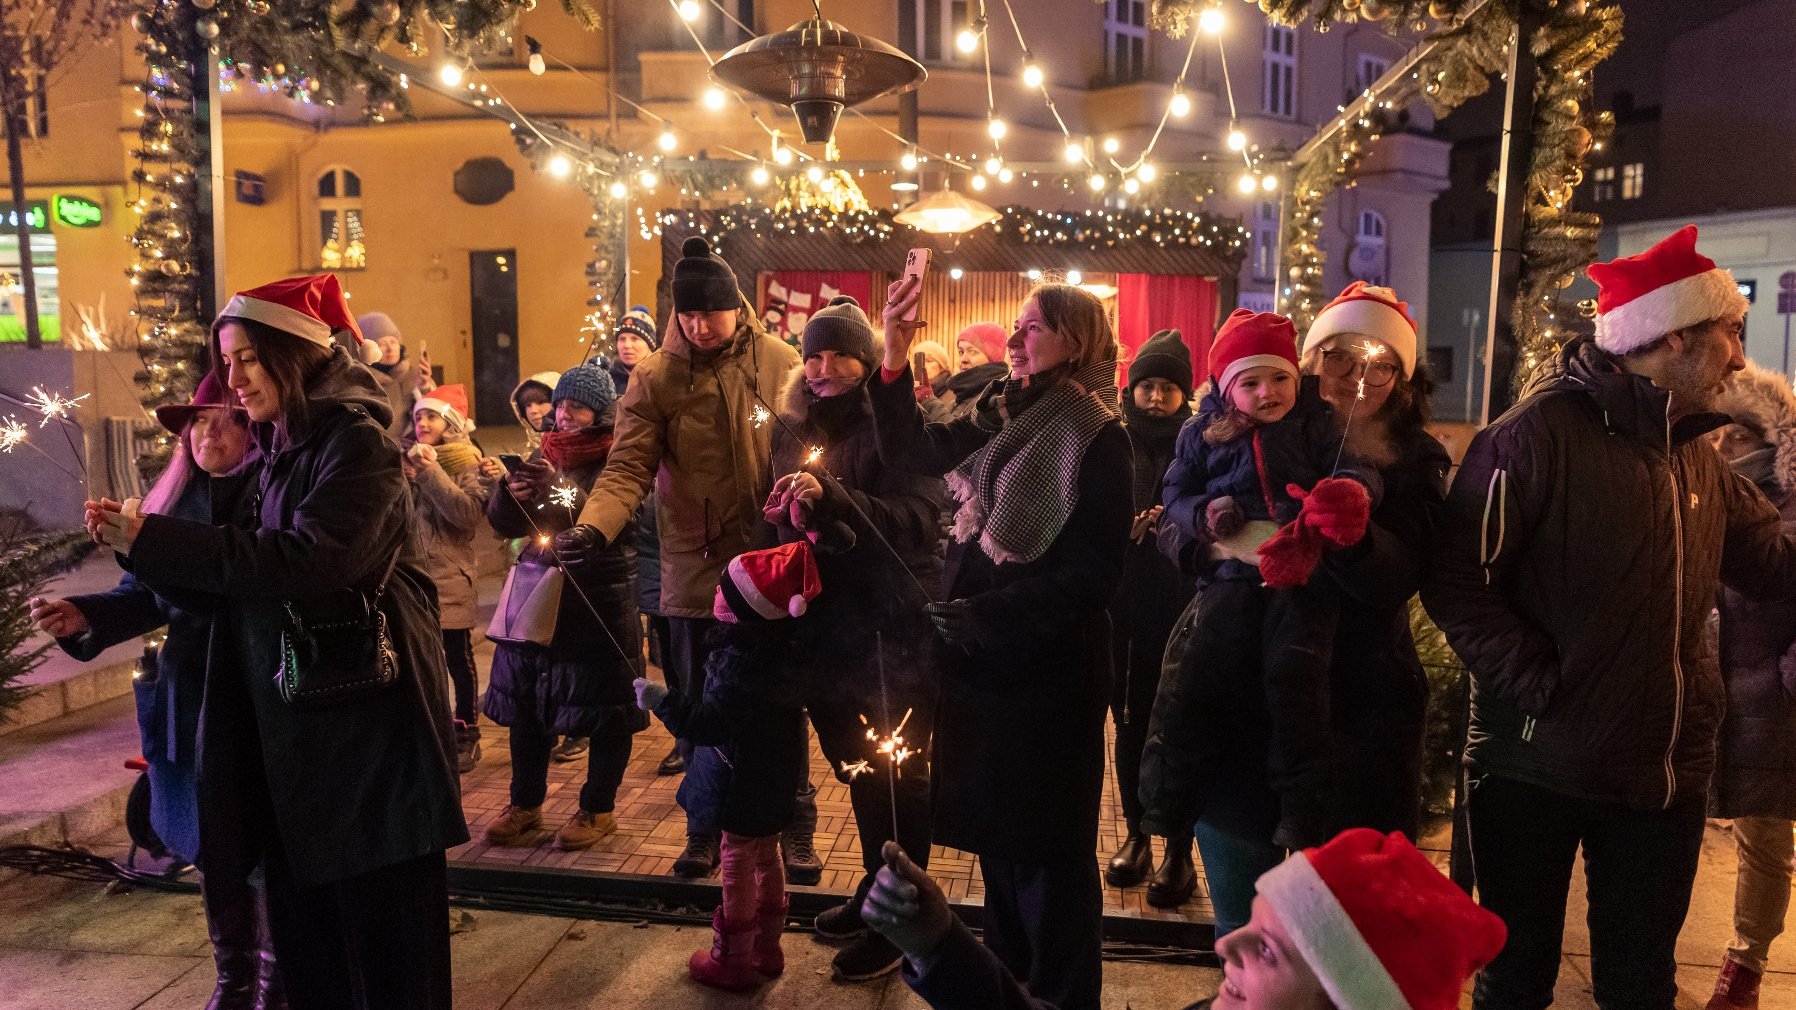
(1372, 351)
(885, 715)
(53, 407)
(544, 540)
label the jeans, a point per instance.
(605, 764)
(1762, 891)
(1639, 868)
(1232, 863)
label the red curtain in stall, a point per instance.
(787, 298)
(1149, 303)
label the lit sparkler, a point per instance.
(760, 415)
(12, 433)
(52, 405)
(815, 455)
(1370, 350)
(564, 494)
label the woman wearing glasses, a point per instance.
(1377, 690)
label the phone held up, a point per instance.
(916, 264)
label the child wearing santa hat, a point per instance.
(1364, 922)
(1258, 488)
(449, 492)
(749, 746)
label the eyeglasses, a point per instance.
(1337, 364)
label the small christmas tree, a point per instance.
(1444, 737)
(27, 563)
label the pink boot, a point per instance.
(770, 921)
(727, 964)
(1737, 988)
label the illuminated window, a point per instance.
(341, 243)
(1278, 72)
(1265, 239)
(1125, 39)
(1633, 181)
(1370, 262)
(1371, 68)
(1605, 184)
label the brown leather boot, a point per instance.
(513, 824)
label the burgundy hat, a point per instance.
(210, 395)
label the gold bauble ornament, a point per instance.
(1587, 308)
(1440, 11)
(1350, 5)
(1570, 107)
(1374, 10)
(1565, 282)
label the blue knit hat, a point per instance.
(589, 384)
(639, 322)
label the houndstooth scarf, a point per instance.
(1020, 488)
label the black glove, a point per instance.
(954, 621)
(574, 546)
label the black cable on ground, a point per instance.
(83, 865)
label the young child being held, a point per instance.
(1258, 488)
(749, 740)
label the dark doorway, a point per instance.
(493, 305)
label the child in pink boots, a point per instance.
(749, 749)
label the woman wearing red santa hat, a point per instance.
(325, 740)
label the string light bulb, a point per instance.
(1075, 277)
(956, 273)
(1180, 106)
(619, 190)
(689, 10)
(993, 165)
(559, 166)
(908, 161)
(450, 75)
(1096, 182)
(715, 98)
(759, 176)
(1075, 151)
(667, 141)
(1112, 145)
(966, 40)
(1246, 183)
(996, 128)
(1005, 175)
(1210, 20)
(648, 179)
(1146, 172)
(1269, 182)
(537, 65)
(814, 173)
(978, 182)
(1131, 187)
(1237, 140)
(1032, 75)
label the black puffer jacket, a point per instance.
(1586, 537)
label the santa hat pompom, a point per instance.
(370, 352)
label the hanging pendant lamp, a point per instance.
(818, 68)
(946, 212)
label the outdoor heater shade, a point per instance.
(946, 212)
(818, 68)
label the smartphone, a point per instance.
(916, 264)
(511, 461)
(919, 368)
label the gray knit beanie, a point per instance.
(589, 384)
(842, 327)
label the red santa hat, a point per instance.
(1366, 310)
(1379, 925)
(451, 402)
(768, 584)
(1668, 287)
(312, 308)
(1250, 339)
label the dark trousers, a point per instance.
(605, 764)
(659, 640)
(1137, 662)
(1046, 923)
(843, 739)
(1639, 868)
(378, 941)
(458, 652)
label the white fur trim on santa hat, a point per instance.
(1239, 365)
(455, 417)
(1366, 317)
(280, 317)
(1351, 974)
(745, 584)
(1646, 319)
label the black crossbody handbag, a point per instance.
(339, 649)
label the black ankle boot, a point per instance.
(1176, 879)
(271, 994)
(1132, 862)
(231, 926)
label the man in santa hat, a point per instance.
(1587, 533)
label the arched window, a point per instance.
(1370, 262)
(341, 243)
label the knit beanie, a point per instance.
(1165, 355)
(639, 322)
(842, 327)
(702, 281)
(1370, 311)
(589, 384)
(1249, 339)
(1379, 925)
(1668, 287)
(768, 584)
(990, 338)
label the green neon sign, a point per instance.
(36, 215)
(77, 212)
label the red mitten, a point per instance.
(1338, 508)
(1290, 556)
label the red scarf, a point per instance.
(577, 450)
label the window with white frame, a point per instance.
(1265, 239)
(1370, 263)
(938, 22)
(1278, 72)
(1603, 189)
(1125, 39)
(1633, 181)
(1371, 68)
(341, 242)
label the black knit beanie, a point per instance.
(702, 281)
(842, 327)
(1163, 356)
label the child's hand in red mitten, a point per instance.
(1290, 556)
(1338, 508)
